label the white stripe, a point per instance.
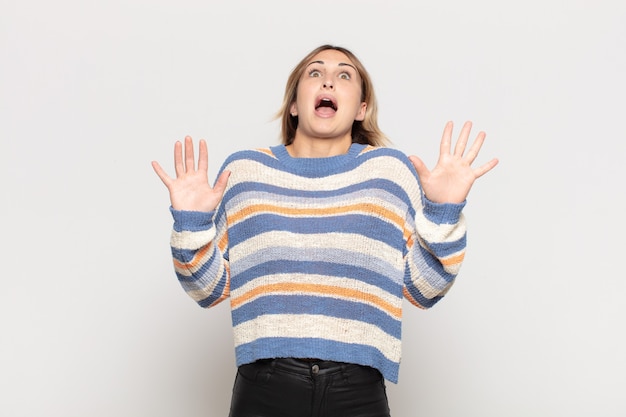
(428, 289)
(327, 242)
(381, 167)
(317, 326)
(433, 232)
(188, 240)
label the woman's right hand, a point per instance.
(190, 190)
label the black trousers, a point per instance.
(308, 388)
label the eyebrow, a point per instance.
(341, 64)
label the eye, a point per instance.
(344, 76)
(315, 73)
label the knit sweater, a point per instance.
(316, 254)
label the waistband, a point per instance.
(312, 366)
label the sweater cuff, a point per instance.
(443, 213)
(192, 221)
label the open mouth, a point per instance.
(326, 102)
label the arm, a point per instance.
(437, 247)
(197, 242)
(198, 246)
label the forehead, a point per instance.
(332, 57)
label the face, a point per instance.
(328, 98)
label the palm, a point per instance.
(453, 176)
(190, 190)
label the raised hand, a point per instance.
(453, 176)
(190, 190)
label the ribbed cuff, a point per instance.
(192, 221)
(443, 213)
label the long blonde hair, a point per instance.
(365, 132)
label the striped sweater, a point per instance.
(316, 254)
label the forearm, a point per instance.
(198, 261)
(435, 254)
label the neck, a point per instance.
(318, 148)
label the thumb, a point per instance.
(161, 173)
(220, 184)
(420, 167)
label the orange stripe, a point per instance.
(266, 151)
(457, 259)
(317, 289)
(410, 298)
(223, 242)
(194, 262)
(198, 257)
(408, 237)
(219, 300)
(364, 207)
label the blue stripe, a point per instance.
(250, 155)
(317, 167)
(330, 256)
(443, 213)
(448, 248)
(317, 268)
(208, 268)
(431, 267)
(193, 221)
(364, 225)
(368, 186)
(201, 283)
(421, 300)
(216, 293)
(317, 305)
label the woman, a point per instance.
(316, 242)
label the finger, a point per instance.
(479, 172)
(179, 167)
(420, 167)
(161, 173)
(190, 164)
(446, 139)
(461, 143)
(203, 157)
(475, 148)
(222, 181)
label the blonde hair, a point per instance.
(366, 132)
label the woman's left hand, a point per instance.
(453, 176)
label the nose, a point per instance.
(328, 83)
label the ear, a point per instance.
(361, 113)
(293, 109)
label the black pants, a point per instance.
(308, 388)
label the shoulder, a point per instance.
(393, 170)
(389, 157)
(383, 152)
(263, 156)
(251, 154)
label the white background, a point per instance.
(92, 320)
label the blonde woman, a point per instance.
(317, 240)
